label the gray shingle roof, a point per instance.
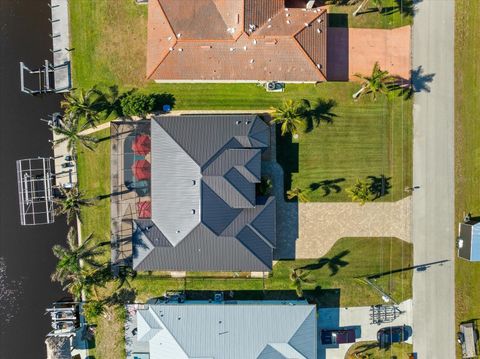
(233, 331)
(205, 214)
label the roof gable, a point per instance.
(220, 40)
(236, 331)
(204, 173)
(175, 187)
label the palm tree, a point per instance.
(71, 202)
(378, 82)
(86, 105)
(299, 277)
(69, 266)
(70, 131)
(125, 273)
(291, 115)
(359, 192)
(298, 193)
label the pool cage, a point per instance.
(35, 183)
(130, 185)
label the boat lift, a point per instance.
(45, 76)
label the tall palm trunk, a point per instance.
(362, 4)
(359, 92)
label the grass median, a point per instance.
(467, 149)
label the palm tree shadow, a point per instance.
(334, 263)
(379, 186)
(327, 186)
(419, 82)
(320, 112)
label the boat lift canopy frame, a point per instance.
(35, 183)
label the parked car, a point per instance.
(337, 336)
(389, 335)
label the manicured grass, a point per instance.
(109, 38)
(94, 180)
(397, 350)
(360, 257)
(365, 139)
(467, 148)
(395, 13)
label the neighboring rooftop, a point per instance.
(258, 330)
(469, 233)
(241, 40)
(205, 214)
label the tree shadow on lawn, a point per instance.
(379, 186)
(404, 7)
(327, 186)
(287, 157)
(320, 297)
(334, 263)
(321, 111)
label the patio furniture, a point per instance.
(141, 170)
(141, 145)
(144, 209)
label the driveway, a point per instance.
(357, 318)
(363, 47)
(433, 170)
(322, 224)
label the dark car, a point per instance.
(389, 335)
(337, 336)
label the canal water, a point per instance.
(26, 259)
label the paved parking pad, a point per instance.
(357, 318)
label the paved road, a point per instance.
(433, 170)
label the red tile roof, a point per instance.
(235, 40)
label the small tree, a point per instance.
(298, 193)
(299, 278)
(83, 104)
(71, 202)
(378, 82)
(70, 131)
(69, 258)
(93, 309)
(291, 115)
(360, 192)
(136, 104)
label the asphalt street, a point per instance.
(433, 170)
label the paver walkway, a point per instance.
(322, 224)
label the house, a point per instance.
(236, 330)
(201, 211)
(469, 240)
(236, 41)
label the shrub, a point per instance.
(136, 104)
(93, 309)
(264, 188)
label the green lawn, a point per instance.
(366, 140)
(369, 350)
(395, 13)
(94, 180)
(467, 147)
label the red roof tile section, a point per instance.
(257, 12)
(205, 40)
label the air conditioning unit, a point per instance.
(274, 86)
